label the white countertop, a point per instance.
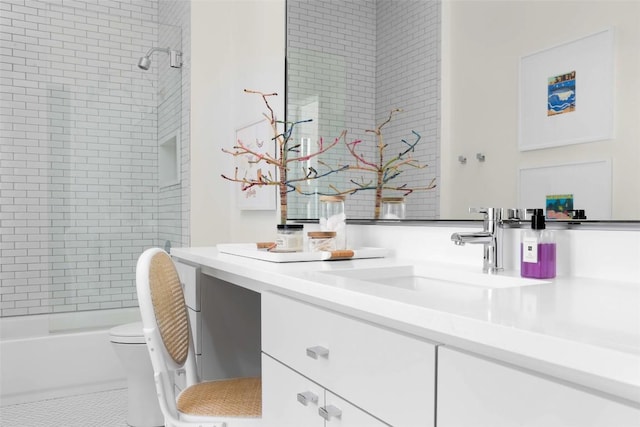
(586, 331)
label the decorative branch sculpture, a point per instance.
(287, 155)
(385, 170)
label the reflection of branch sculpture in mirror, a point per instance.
(385, 170)
(287, 155)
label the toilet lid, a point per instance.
(131, 333)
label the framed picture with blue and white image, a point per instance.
(566, 93)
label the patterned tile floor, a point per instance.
(104, 409)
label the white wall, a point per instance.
(235, 45)
(482, 44)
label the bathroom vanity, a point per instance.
(349, 343)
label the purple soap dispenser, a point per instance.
(538, 249)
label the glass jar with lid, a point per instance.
(319, 241)
(289, 238)
(333, 218)
(393, 208)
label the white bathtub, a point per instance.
(56, 355)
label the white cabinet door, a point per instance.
(473, 391)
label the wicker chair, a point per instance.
(222, 403)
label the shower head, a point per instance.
(144, 63)
(175, 58)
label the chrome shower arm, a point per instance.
(158, 49)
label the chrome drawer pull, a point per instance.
(329, 411)
(306, 397)
(314, 352)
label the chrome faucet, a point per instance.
(490, 237)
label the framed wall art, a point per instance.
(572, 183)
(566, 93)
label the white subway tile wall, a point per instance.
(331, 59)
(79, 195)
(349, 63)
(408, 77)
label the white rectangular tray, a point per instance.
(250, 250)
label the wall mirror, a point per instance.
(454, 68)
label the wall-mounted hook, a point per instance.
(480, 157)
(462, 159)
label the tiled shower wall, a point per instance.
(353, 58)
(78, 167)
(331, 57)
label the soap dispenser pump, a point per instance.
(538, 249)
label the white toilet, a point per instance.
(128, 342)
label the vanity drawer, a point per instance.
(281, 406)
(190, 279)
(387, 373)
(291, 400)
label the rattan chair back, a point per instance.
(169, 307)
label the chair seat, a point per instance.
(237, 397)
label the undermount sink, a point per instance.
(427, 278)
